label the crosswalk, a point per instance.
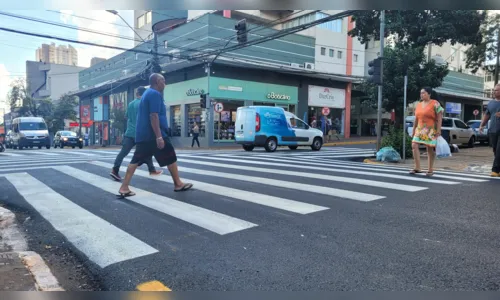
(234, 192)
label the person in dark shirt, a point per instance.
(151, 137)
(493, 113)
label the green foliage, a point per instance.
(418, 28)
(420, 73)
(395, 140)
(487, 49)
(64, 109)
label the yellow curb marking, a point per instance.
(153, 286)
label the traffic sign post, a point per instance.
(325, 111)
(218, 108)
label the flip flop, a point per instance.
(124, 195)
(414, 171)
(429, 174)
(186, 187)
(156, 173)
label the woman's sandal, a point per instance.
(415, 171)
(429, 173)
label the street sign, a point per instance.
(476, 112)
(325, 111)
(218, 107)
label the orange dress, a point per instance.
(425, 133)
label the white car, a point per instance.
(454, 130)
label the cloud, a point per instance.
(5, 81)
(102, 23)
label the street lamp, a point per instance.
(115, 12)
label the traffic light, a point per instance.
(203, 100)
(241, 31)
(375, 71)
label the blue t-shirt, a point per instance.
(151, 102)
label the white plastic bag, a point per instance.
(442, 148)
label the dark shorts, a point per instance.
(146, 150)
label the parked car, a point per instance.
(270, 127)
(8, 139)
(30, 132)
(67, 138)
(453, 130)
(482, 137)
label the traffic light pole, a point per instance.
(209, 124)
(379, 102)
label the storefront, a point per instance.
(233, 93)
(333, 98)
(100, 127)
(184, 110)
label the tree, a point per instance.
(420, 74)
(418, 28)
(488, 49)
(64, 109)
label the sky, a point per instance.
(16, 49)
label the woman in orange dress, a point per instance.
(426, 129)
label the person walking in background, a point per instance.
(427, 128)
(129, 139)
(493, 112)
(151, 137)
(196, 133)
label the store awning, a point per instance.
(460, 94)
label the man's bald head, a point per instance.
(157, 82)
(496, 92)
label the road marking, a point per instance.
(409, 178)
(153, 286)
(276, 202)
(9, 154)
(102, 242)
(39, 152)
(378, 184)
(82, 153)
(338, 193)
(210, 220)
(48, 165)
(339, 164)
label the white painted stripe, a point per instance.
(44, 160)
(40, 152)
(105, 152)
(398, 169)
(9, 154)
(266, 200)
(198, 216)
(338, 193)
(373, 183)
(82, 153)
(367, 167)
(267, 164)
(102, 242)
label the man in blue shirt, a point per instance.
(493, 113)
(151, 137)
(129, 138)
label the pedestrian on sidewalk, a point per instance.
(426, 128)
(151, 137)
(129, 138)
(196, 133)
(493, 112)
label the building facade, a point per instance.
(269, 73)
(96, 60)
(63, 55)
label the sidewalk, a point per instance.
(478, 159)
(331, 142)
(21, 270)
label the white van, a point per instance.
(270, 127)
(29, 132)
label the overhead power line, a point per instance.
(84, 43)
(278, 34)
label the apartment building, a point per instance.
(64, 55)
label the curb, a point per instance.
(12, 237)
(350, 143)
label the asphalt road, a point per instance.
(289, 220)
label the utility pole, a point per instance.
(379, 102)
(497, 65)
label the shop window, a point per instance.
(175, 115)
(195, 114)
(225, 121)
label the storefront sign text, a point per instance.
(320, 96)
(193, 92)
(278, 96)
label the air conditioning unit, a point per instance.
(309, 66)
